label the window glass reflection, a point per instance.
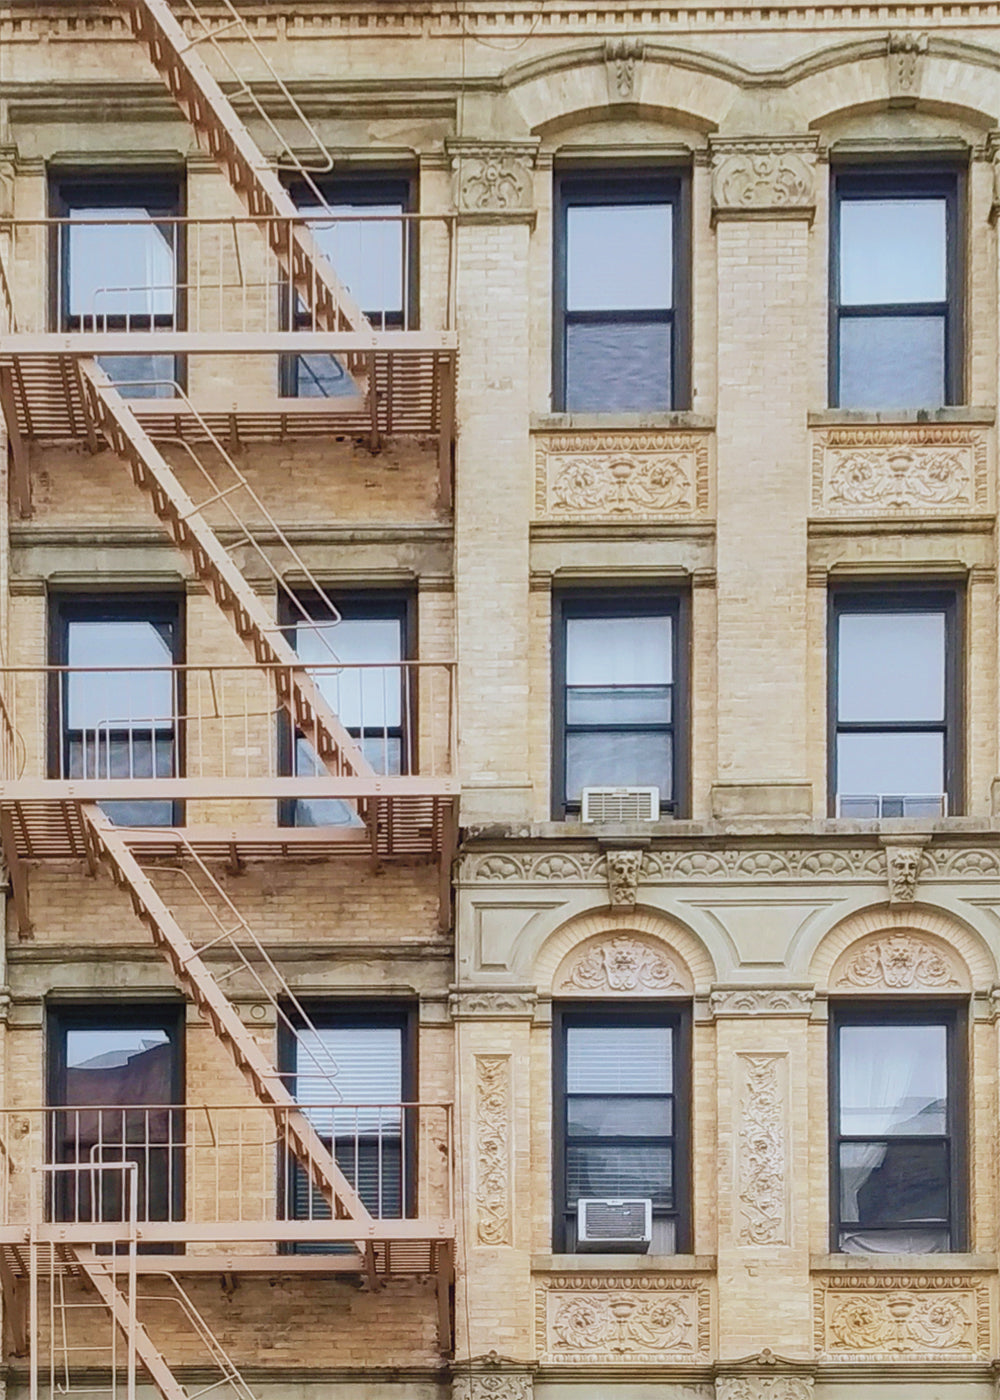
(120, 269)
(891, 666)
(619, 257)
(893, 251)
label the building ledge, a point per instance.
(623, 1263)
(620, 422)
(910, 1263)
(847, 417)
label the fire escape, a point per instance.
(182, 449)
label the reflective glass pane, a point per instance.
(890, 666)
(619, 651)
(619, 1171)
(323, 377)
(625, 704)
(619, 257)
(890, 765)
(892, 362)
(629, 759)
(885, 1183)
(120, 268)
(612, 367)
(619, 1117)
(892, 251)
(364, 695)
(100, 701)
(366, 254)
(142, 376)
(619, 1059)
(893, 1079)
(107, 1047)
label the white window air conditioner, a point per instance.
(614, 1227)
(621, 804)
(872, 806)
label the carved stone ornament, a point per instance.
(611, 476)
(623, 61)
(492, 1136)
(493, 181)
(761, 1388)
(762, 1154)
(642, 1320)
(918, 469)
(624, 869)
(897, 962)
(621, 963)
(485, 1004)
(765, 177)
(905, 58)
(493, 1385)
(923, 1317)
(903, 864)
(761, 1001)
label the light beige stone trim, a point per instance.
(651, 930)
(582, 476)
(862, 934)
(920, 469)
(898, 1317)
(622, 1320)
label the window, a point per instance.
(897, 1129)
(114, 1072)
(617, 697)
(894, 704)
(620, 294)
(373, 251)
(896, 296)
(118, 260)
(118, 723)
(353, 1069)
(356, 665)
(620, 1128)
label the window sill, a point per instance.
(619, 422)
(892, 1263)
(954, 413)
(623, 1263)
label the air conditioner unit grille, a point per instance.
(624, 1226)
(621, 804)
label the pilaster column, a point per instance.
(493, 476)
(764, 1297)
(763, 202)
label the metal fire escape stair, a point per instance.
(109, 847)
(103, 1283)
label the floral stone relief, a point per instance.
(621, 963)
(923, 469)
(762, 1185)
(896, 962)
(608, 476)
(493, 1208)
(923, 1316)
(641, 1320)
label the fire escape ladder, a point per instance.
(194, 537)
(109, 846)
(225, 137)
(105, 1285)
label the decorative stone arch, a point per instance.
(888, 951)
(629, 952)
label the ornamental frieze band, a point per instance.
(643, 1320)
(919, 469)
(610, 476)
(925, 1317)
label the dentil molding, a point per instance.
(767, 177)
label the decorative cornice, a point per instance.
(492, 1005)
(763, 177)
(727, 1002)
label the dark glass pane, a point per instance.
(619, 1117)
(620, 1171)
(323, 377)
(619, 257)
(889, 1183)
(623, 704)
(619, 760)
(893, 251)
(617, 368)
(142, 376)
(382, 751)
(893, 1079)
(602, 1060)
(890, 666)
(892, 362)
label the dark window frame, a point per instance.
(951, 1013)
(624, 602)
(65, 608)
(111, 1014)
(161, 193)
(873, 597)
(359, 188)
(647, 186)
(359, 1014)
(676, 1015)
(357, 605)
(938, 179)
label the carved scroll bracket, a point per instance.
(904, 54)
(623, 62)
(493, 181)
(763, 177)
